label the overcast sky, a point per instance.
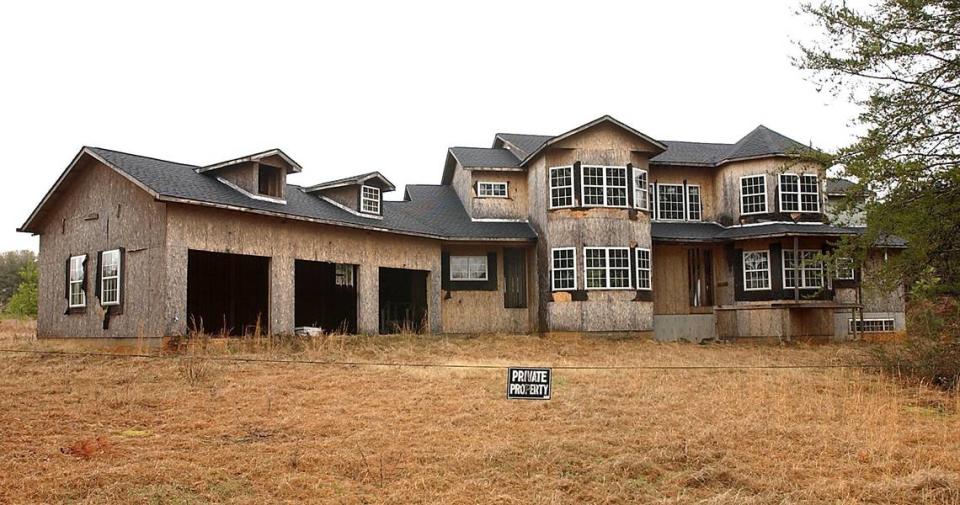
(357, 86)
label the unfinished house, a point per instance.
(601, 229)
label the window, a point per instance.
(643, 269)
(845, 270)
(468, 268)
(870, 325)
(641, 195)
(370, 199)
(753, 194)
(344, 275)
(78, 297)
(670, 202)
(799, 193)
(693, 203)
(561, 187)
(110, 277)
(564, 272)
(607, 267)
(810, 269)
(756, 270)
(492, 189)
(270, 181)
(604, 186)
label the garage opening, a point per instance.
(227, 294)
(325, 296)
(403, 300)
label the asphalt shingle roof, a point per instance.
(691, 153)
(838, 186)
(526, 144)
(434, 211)
(485, 157)
(763, 141)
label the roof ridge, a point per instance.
(140, 156)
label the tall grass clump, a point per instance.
(931, 352)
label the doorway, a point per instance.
(227, 294)
(325, 296)
(403, 300)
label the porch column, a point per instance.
(368, 299)
(281, 294)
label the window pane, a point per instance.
(753, 194)
(693, 203)
(670, 201)
(561, 187)
(640, 193)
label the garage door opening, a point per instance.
(325, 296)
(403, 300)
(227, 294)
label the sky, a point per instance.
(350, 87)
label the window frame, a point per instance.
(881, 320)
(852, 268)
(468, 258)
(569, 186)
(364, 199)
(604, 186)
(688, 202)
(641, 191)
(648, 269)
(683, 202)
(802, 269)
(82, 258)
(104, 278)
(606, 269)
(743, 196)
(799, 193)
(491, 184)
(553, 268)
(743, 267)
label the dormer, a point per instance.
(361, 195)
(261, 176)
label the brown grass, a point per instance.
(257, 432)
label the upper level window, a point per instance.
(563, 273)
(77, 296)
(607, 267)
(110, 277)
(468, 268)
(641, 195)
(753, 194)
(799, 193)
(643, 269)
(693, 203)
(756, 270)
(561, 187)
(845, 269)
(676, 202)
(810, 270)
(604, 186)
(270, 181)
(370, 199)
(492, 189)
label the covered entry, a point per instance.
(403, 300)
(227, 294)
(325, 296)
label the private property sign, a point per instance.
(528, 383)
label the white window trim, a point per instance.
(799, 193)
(893, 324)
(491, 184)
(70, 283)
(553, 285)
(742, 196)
(551, 187)
(486, 268)
(649, 269)
(642, 188)
(686, 202)
(103, 278)
(607, 268)
(743, 267)
(801, 271)
(683, 204)
(604, 186)
(364, 199)
(852, 268)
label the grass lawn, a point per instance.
(180, 430)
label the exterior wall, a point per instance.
(700, 176)
(602, 310)
(209, 229)
(462, 185)
(484, 311)
(727, 186)
(348, 196)
(101, 210)
(245, 175)
(689, 327)
(515, 206)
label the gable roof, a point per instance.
(587, 126)
(763, 141)
(483, 157)
(352, 180)
(292, 166)
(180, 183)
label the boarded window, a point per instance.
(270, 181)
(515, 278)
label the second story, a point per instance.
(606, 167)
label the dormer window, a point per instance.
(270, 181)
(370, 199)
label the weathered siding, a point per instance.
(513, 207)
(348, 196)
(484, 311)
(245, 175)
(100, 210)
(727, 184)
(699, 176)
(670, 280)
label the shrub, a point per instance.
(23, 303)
(932, 350)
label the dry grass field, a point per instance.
(77, 429)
